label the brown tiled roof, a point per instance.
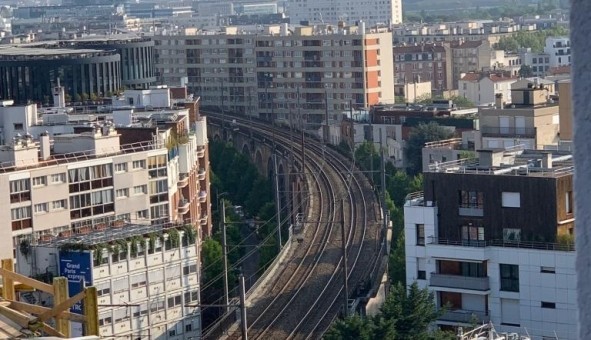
(471, 76)
(559, 70)
(494, 77)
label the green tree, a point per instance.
(405, 315)
(211, 255)
(420, 135)
(526, 71)
(352, 328)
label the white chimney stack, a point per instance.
(45, 146)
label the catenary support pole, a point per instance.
(243, 323)
(345, 269)
(225, 254)
(278, 202)
(581, 49)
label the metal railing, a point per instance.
(460, 282)
(465, 316)
(74, 157)
(497, 131)
(567, 246)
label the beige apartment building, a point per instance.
(284, 74)
(530, 120)
(566, 111)
(138, 165)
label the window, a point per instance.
(105, 319)
(20, 213)
(509, 277)
(192, 296)
(550, 270)
(421, 275)
(190, 269)
(120, 167)
(20, 190)
(569, 202)
(174, 301)
(120, 193)
(550, 305)
(511, 234)
(103, 288)
(140, 189)
(138, 280)
(58, 178)
(141, 215)
(511, 200)
(139, 164)
(471, 199)
(59, 204)
(41, 208)
(420, 234)
(471, 233)
(39, 181)
(157, 305)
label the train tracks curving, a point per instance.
(306, 295)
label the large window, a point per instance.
(511, 200)
(21, 218)
(471, 199)
(473, 235)
(20, 190)
(420, 234)
(509, 277)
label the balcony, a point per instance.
(200, 151)
(203, 196)
(203, 219)
(184, 206)
(465, 316)
(183, 181)
(564, 246)
(459, 282)
(496, 131)
(473, 211)
(201, 174)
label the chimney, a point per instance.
(44, 146)
(499, 101)
(547, 160)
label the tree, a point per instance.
(404, 315)
(211, 253)
(525, 71)
(420, 135)
(353, 328)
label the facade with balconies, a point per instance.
(531, 119)
(492, 238)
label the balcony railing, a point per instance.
(503, 243)
(183, 180)
(201, 174)
(497, 131)
(465, 316)
(203, 196)
(471, 211)
(459, 282)
(184, 206)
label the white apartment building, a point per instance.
(279, 73)
(373, 12)
(556, 53)
(481, 88)
(493, 239)
(147, 277)
(147, 167)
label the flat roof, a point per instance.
(49, 52)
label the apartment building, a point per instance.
(302, 75)
(492, 238)
(565, 110)
(424, 62)
(556, 54)
(373, 12)
(481, 87)
(147, 277)
(470, 56)
(455, 31)
(65, 174)
(531, 120)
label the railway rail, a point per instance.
(306, 295)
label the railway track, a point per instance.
(306, 295)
